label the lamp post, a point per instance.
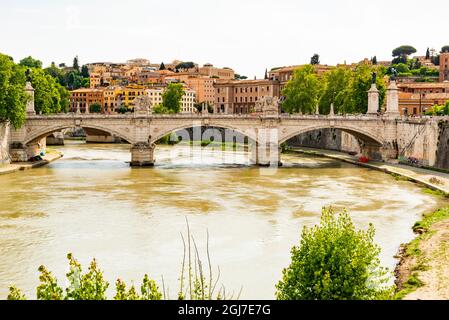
(421, 96)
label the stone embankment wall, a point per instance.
(442, 154)
(418, 140)
(4, 143)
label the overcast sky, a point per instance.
(246, 35)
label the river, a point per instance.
(91, 203)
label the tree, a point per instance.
(85, 71)
(336, 90)
(76, 65)
(47, 92)
(445, 49)
(428, 53)
(359, 86)
(239, 77)
(162, 66)
(171, 98)
(95, 108)
(374, 60)
(315, 59)
(302, 91)
(185, 65)
(334, 261)
(13, 97)
(401, 53)
(30, 62)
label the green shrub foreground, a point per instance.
(335, 262)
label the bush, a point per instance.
(335, 262)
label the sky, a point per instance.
(246, 35)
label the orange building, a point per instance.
(203, 86)
(444, 66)
(415, 98)
(84, 98)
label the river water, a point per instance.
(91, 203)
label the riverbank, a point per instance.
(421, 273)
(50, 156)
(434, 180)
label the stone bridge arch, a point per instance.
(39, 133)
(158, 132)
(371, 144)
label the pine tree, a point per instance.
(76, 65)
(162, 66)
(428, 54)
(374, 60)
(315, 59)
(266, 74)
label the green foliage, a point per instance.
(48, 288)
(403, 51)
(88, 286)
(84, 71)
(335, 262)
(171, 99)
(95, 108)
(30, 62)
(430, 219)
(162, 66)
(15, 294)
(438, 110)
(47, 93)
(185, 65)
(315, 59)
(13, 97)
(336, 90)
(445, 49)
(240, 77)
(76, 65)
(302, 92)
(359, 86)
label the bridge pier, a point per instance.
(385, 152)
(142, 155)
(266, 154)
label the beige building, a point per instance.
(187, 102)
(240, 96)
(209, 70)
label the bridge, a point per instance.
(265, 130)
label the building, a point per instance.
(444, 66)
(240, 96)
(202, 85)
(210, 71)
(415, 98)
(84, 98)
(187, 102)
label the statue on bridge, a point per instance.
(374, 78)
(142, 105)
(268, 106)
(394, 74)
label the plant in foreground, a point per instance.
(335, 262)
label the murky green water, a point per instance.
(93, 204)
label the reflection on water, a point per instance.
(93, 204)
